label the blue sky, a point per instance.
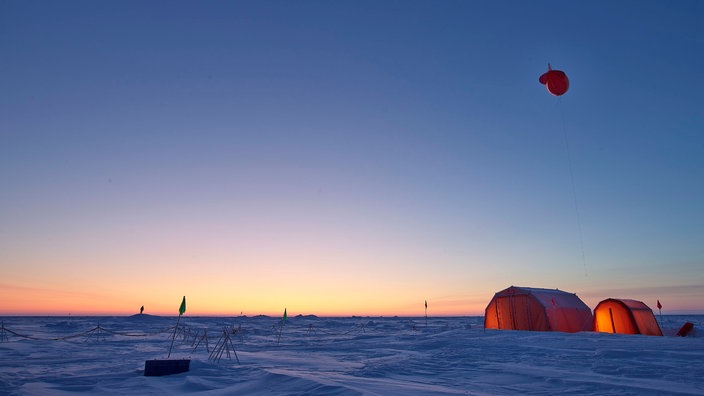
(349, 157)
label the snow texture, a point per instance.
(308, 355)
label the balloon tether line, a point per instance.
(574, 190)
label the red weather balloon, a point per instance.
(555, 81)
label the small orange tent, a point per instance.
(626, 317)
(527, 308)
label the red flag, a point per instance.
(659, 305)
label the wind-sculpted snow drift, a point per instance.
(342, 356)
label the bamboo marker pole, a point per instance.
(660, 311)
(181, 310)
(281, 327)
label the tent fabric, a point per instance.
(534, 309)
(625, 317)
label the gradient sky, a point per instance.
(348, 157)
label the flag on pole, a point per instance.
(659, 305)
(182, 308)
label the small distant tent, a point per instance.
(527, 308)
(625, 317)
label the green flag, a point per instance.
(182, 308)
(285, 314)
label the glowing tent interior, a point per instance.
(527, 308)
(626, 317)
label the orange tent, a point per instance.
(527, 308)
(626, 317)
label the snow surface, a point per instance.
(341, 356)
